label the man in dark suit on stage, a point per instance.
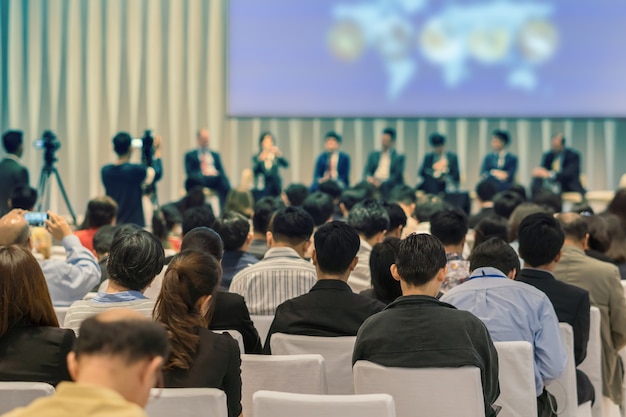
(12, 173)
(559, 170)
(385, 168)
(440, 168)
(500, 166)
(333, 164)
(206, 165)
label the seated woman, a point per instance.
(100, 211)
(199, 357)
(32, 347)
(384, 287)
(167, 227)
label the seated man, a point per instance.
(283, 273)
(330, 308)
(136, 257)
(560, 169)
(397, 220)
(115, 362)
(333, 164)
(320, 206)
(409, 332)
(440, 168)
(405, 197)
(234, 229)
(385, 168)
(68, 280)
(513, 311)
(450, 227)
(23, 197)
(485, 192)
(499, 166)
(540, 241)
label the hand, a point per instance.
(277, 152)
(499, 174)
(158, 141)
(442, 165)
(57, 226)
(541, 173)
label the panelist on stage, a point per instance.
(332, 165)
(559, 170)
(500, 166)
(266, 166)
(206, 166)
(385, 168)
(440, 168)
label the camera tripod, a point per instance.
(44, 189)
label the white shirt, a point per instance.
(207, 163)
(384, 166)
(332, 165)
(361, 278)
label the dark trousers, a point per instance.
(546, 405)
(584, 388)
(219, 185)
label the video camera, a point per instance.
(50, 145)
(146, 143)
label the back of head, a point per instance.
(296, 193)
(103, 239)
(336, 245)
(519, 189)
(617, 206)
(486, 190)
(100, 211)
(494, 253)
(599, 236)
(437, 140)
(292, 226)
(14, 229)
(369, 218)
(164, 219)
(550, 201)
(25, 296)
(540, 239)
(503, 135)
(350, 197)
(190, 278)
(205, 240)
(135, 259)
(240, 201)
(520, 213)
(368, 189)
(505, 202)
(617, 236)
(264, 209)
(23, 197)
(320, 206)
(426, 208)
(403, 194)
(332, 188)
(574, 227)
(197, 217)
(121, 143)
(420, 258)
(449, 226)
(397, 216)
(582, 208)
(12, 140)
(234, 229)
(492, 226)
(386, 288)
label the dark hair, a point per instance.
(233, 228)
(491, 226)
(437, 139)
(336, 246)
(599, 237)
(100, 211)
(12, 140)
(502, 135)
(190, 276)
(391, 132)
(425, 209)
(368, 189)
(617, 248)
(25, 296)
(164, 219)
(320, 206)
(263, 137)
(369, 218)
(292, 225)
(397, 216)
(494, 253)
(197, 217)
(333, 135)
(449, 226)
(23, 197)
(549, 200)
(350, 197)
(562, 137)
(574, 227)
(519, 189)
(420, 258)
(486, 190)
(520, 213)
(296, 193)
(385, 287)
(240, 201)
(505, 202)
(121, 143)
(403, 194)
(135, 259)
(582, 207)
(264, 209)
(617, 206)
(132, 339)
(205, 240)
(332, 188)
(103, 239)
(540, 239)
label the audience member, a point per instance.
(505, 202)
(617, 246)
(617, 206)
(264, 210)
(320, 206)
(12, 173)
(200, 358)
(513, 311)
(384, 287)
(240, 201)
(520, 190)
(520, 213)
(450, 227)
(330, 308)
(370, 219)
(102, 241)
(485, 192)
(22, 197)
(349, 198)
(540, 241)
(196, 196)
(409, 332)
(167, 227)
(101, 211)
(135, 259)
(115, 363)
(295, 194)
(197, 217)
(397, 220)
(234, 229)
(493, 226)
(425, 208)
(601, 280)
(335, 191)
(549, 201)
(599, 240)
(282, 274)
(405, 197)
(582, 207)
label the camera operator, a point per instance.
(12, 173)
(124, 181)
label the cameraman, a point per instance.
(124, 181)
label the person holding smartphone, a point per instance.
(266, 167)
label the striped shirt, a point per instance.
(280, 276)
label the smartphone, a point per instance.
(36, 219)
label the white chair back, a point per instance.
(424, 392)
(337, 353)
(301, 374)
(564, 388)
(592, 365)
(235, 335)
(518, 394)
(61, 312)
(281, 404)
(187, 402)
(262, 325)
(20, 394)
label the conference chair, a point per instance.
(518, 395)
(61, 312)
(282, 404)
(300, 374)
(262, 325)
(424, 392)
(20, 394)
(235, 335)
(592, 365)
(337, 353)
(187, 402)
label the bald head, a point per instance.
(14, 229)
(574, 226)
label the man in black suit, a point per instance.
(330, 308)
(440, 168)
(500, 166)
(559, 170)
(540, 241)
(385, 168)
(12, 173)
(206, 165)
